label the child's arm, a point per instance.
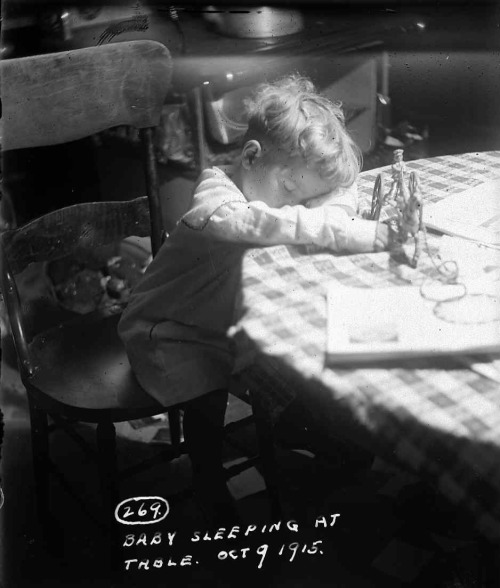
(255, 223)
(221, 211)
(347, 198)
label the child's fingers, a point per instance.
(382, 237)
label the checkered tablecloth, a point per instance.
(437, 416)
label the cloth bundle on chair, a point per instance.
(78, 371)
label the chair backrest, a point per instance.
(60, 97)
(60, 234)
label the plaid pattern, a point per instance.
(439, 176)
(434, 415)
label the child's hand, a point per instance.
(384, 237)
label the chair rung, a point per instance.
(78, 439)
(235, 425)
(54, 426)
(241, 447)
(168, 454)
(237, 468)
(243, 396)
(71, 491)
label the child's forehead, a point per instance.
(310, 182)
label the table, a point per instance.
(436, 416)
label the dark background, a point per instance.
(444, 79)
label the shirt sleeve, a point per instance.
(255, 223)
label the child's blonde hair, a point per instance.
(293, 118)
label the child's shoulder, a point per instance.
(214, 181)
(213, 189)
(220, 174)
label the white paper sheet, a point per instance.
(473, 214)
(385, 323)
(474, 261)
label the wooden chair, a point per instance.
(78, 370)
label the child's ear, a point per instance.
(251, 151)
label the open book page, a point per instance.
(473, 214)
(474, 261)
(386, 323)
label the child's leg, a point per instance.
(204, 435)
(204, 432)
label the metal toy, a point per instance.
(406, 197)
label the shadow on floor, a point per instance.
(390, 532)
(354, 532)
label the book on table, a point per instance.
(410, 321)
(398, 322)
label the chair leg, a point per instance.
(153, 190)
(267, 450)
(197, 96)
(106, 445)
(174, 421)
(40, 452)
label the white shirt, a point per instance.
(175, 325)
(328, 221)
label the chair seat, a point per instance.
(82, 369)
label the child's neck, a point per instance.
(234, 172)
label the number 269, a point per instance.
(142, 510)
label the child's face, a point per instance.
(299, 184)
(278, 184)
